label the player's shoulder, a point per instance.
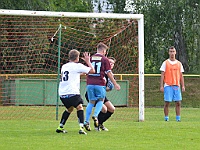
(96, 57)
(104, 58)
(178, 61)
(73, 65)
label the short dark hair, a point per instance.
(112, 59)
(101, 46)
(73, 54)
(172, 47)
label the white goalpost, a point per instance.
(140, 31)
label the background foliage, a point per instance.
(167, 22)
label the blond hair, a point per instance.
(101, 46)
(73, 54)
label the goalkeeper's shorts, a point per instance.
(172, 93)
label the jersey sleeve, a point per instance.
(83, 69)
(163, 66)
(182, 69)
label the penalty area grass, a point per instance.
(153, 133)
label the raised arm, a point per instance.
(87, 60)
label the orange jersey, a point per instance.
(172, 73)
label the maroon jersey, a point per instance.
(101, 65)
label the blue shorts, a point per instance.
(96, 92)
(172, 93)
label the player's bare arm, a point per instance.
(161, 81)
(182, 82)
(110, 76)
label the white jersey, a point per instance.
(70, 78)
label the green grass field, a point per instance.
(153, 133)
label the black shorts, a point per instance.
(86, 97)
(72, 101)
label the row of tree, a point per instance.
(167, 23)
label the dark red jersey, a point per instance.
(101, 65)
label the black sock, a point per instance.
(101, 117)
(80, 116)
(64, 118)
(106, 116)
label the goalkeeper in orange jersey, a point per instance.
(172, 77)
(108, 108)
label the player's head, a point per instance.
(172, 52)
(112, 61)
(74, 55)
(101, 48)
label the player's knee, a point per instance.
(104, 109)
(178, 103)
(111, 109)
(166, 104)
(79, 107)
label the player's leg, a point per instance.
(91, 97)
(77, 102)
(166, 111)
(80, 115)
(178, 110)
(90, 105)
(168, 96)
(101, 115)
(100, 92)
(105, 115)
(65, 116)
(177, 98)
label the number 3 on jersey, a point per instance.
(64, 76)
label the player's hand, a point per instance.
(162, 89)
(117, 87)
(86, 57)
(183, 88)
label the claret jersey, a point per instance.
(102, 66)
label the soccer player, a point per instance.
(69, 88)
(108, 108)
(96, 88)
(172, 77)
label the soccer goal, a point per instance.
(34, 45)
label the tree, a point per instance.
(170, 22)
(48, 5)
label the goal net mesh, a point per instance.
(30, 48)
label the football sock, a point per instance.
(178, 118)
(88, 111)
(81, 125)
(166, 118)
(80, 116)
(64, 118)
(98, 108)
(107, 115)
(102, 117)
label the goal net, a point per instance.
(35, 44)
